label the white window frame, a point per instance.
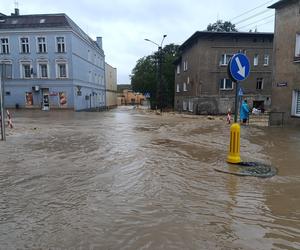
(256, 60)
(8, 62)
(296, 103)
(43, 44)
(297, 46)
(191, 104)
(224, 80)
(57, 69)
(185, 65)
(260, 81)
(266, 60)
(184, 105)
(39, 69)
(4, 45)
(225, 58)
(63, 44)
(26, 45)
(22, 69)
(178, 69)
(184, 87)
(177, 88)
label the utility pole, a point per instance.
(159, 73)
(3, 138)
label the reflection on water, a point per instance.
(128, 180)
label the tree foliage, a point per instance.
(221, 26)
(145, 76)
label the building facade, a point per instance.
(111, 86)
(126, 96)
(202, 85)
(49, 62)
(286, 77)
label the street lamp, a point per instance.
(159, 82)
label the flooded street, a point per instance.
(126, 179)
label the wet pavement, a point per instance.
(127, 179)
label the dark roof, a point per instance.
(282, 3)
(121, 87)
(60, 20)
(34, 21)
(212, 34)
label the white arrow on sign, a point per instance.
(242, 69)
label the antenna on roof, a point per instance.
(17, 12)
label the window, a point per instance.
(184, 87)
(178, 69)
(43, 70)
(226, 84)
(225, 58)
(266, 60)
(24, 41)
(185, 65)
(62, 70)
(41, 45)
(177, 88)
(188, 80)
(255, 61)
(184, 105)
(28, 99)
(6, 69)
(191, 105)
(259, 83)
(26, 70)
(296, 103)
(4, 46)
(60, 43)
(297, 47)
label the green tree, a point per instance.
(221, 26)
(145, 76)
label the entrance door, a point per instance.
(45, 101)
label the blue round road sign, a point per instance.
(239, 67)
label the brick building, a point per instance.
(202, 85)
(286, 77)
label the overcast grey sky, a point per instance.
(125, 24)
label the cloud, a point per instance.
(123, 25)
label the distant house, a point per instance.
(128, 97)
(202, 85)
(286, 77)
(49, 62)
(111, 86)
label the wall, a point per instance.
(111, 85)
(78, 66)
(286, 70)
(205, 72)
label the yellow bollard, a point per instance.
(234, 148)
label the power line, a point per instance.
(248, 11)
(255, 15)
(264, 23)
(256, 21)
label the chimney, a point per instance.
(99, 41)
(17, 12)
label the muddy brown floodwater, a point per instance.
(126, 179)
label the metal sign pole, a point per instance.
(236, 101)
(2, 110)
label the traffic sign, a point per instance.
(241, 92)
(239, 67)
